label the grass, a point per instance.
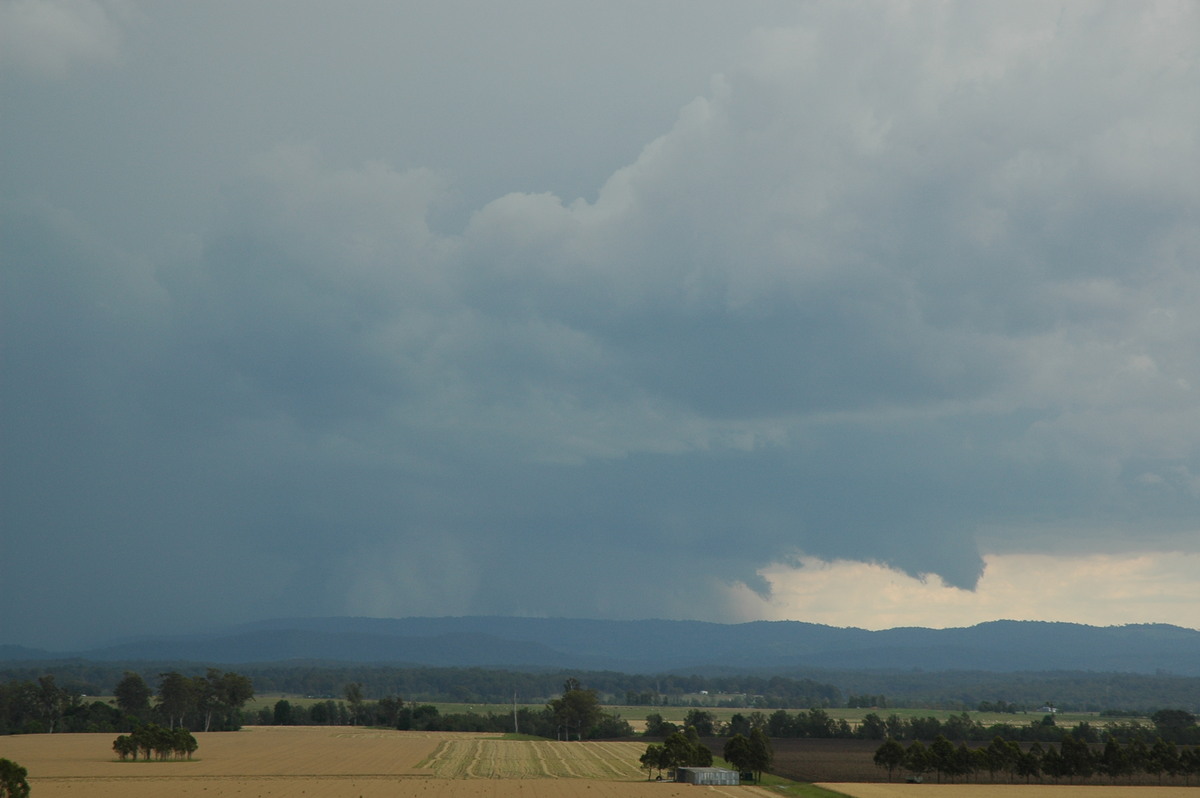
(785, 786)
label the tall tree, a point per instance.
(52, 701)
(176, 697)
(737, 753)
(761, 752)
(577, 709)
(133, 695)
(354, 697)
(651, 759)
(890, 756)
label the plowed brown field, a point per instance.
(334, 762)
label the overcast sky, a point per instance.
(857, 313)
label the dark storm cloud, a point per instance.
(896, 287)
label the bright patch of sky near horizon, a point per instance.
(601, 310)
(1157, 587)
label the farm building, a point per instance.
(707, 776)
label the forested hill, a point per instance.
(656, 646)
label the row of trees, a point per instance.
(1073, 760)
(211, 702)
(953, 690)
(749, 754)
(576, 714)
(1173, 725)
(162, 742)
(42, 706)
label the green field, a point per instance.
(636, 715)
(676, 714)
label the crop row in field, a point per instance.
(541, 759)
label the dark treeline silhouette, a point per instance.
(1072, 691)
(208, 702)
(1172, 725)
(576, 714)
(1073, 760)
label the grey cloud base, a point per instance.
(884, 308)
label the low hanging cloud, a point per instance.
(48, 38)
(900, 308)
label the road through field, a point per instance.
(338, 762)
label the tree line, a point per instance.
(209, 702)
(1173, 725)
(461, 685)
(954, 690)
(1073, 759)
(575, 714)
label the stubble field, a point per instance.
(335, 762)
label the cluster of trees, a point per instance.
(748, 754)
(211, 702)
(153, 739)
(680, 749)
(42, 706)
(866, 701)
(707, 724)
(751, 754)
(13, 783)
(1073, 759)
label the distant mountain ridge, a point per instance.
(650, 646)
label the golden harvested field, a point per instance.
(340, 762)
(1006, 791)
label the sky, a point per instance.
(867, 314)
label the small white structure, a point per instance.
(720, 776)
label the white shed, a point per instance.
(721, 776)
